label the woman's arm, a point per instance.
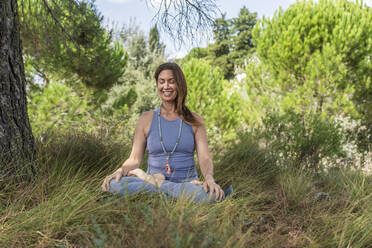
(205, 160)
(139, 144)
(137, 153)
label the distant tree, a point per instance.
(222, 35)
(154, 40)
(138, 51)
(221, 48)
(232, 45)
(242, 43)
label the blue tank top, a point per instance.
(182, 161)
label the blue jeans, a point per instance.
(133, 185)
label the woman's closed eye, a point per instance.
(169, 81)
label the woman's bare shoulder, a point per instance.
(145, 117)
(144, 122)
(147, 114)
(198, 117)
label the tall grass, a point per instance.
(270, 207)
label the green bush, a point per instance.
(57, 106)
(120, 98)
(244, 158)
(218, 101)
(317, 56)
(302, 141)
(81, 152)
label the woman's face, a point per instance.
(167, 87)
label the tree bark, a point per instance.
(17, 149)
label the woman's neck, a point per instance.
(168, 108)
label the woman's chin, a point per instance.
(168, 99)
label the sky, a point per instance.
(141, 12)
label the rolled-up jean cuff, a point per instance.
(191, 191)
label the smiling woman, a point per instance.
(171, 134)
(167, 87)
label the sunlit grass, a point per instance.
(270, 207)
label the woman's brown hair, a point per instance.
(180, 79)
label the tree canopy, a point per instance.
(213, 97)
(68, 40)
(322, 45)
(232, 45)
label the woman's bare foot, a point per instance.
(196, 182)
(156, 179)
(159, 177)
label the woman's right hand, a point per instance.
(121, 172)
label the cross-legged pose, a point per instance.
(171, 134)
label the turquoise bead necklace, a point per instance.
(167, 167)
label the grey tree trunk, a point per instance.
(17, 150)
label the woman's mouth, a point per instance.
(167, 92)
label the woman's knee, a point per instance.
(196, 193)
(201, 196)
(129, 185)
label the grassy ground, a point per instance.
(270, 207)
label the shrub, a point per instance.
(58, 107)
(246, 158)
(302, 141)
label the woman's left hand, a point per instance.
(213, 188)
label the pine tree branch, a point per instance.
(51, 12)
(191, 17)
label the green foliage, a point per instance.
(139, 48)
(58, 106)
(242, 40)
(215, 99)
(154, 42)
(232, 45)
(319, 55)
(245, 157)
(76, 46)
(263, 93)
(302, 141)
(221, 30)
(120, 98)
(197, 53)
(136, 92)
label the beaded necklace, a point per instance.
(167, 168)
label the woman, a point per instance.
(171, 133)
